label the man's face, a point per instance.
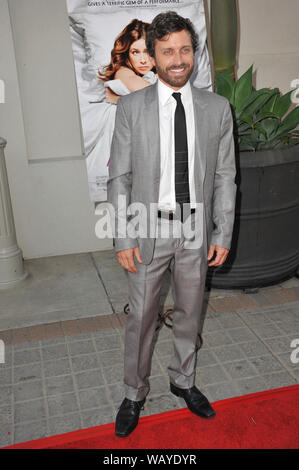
(174, 59)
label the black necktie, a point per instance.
(181, 153)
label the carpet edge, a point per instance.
(52, 441)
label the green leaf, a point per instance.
(270, 126)
(262, 131)
(255, 101)
(255, 137)
(242, 89)
(249, 142)
(224, 84)
(292, 119)
(244, 130)
(242, 126)
(258, 114)
(289, 123)
(265, 115)
(283, 104)
(273, 144)
(227, 76)
(247, 119)
(246, 145)
(269, 105)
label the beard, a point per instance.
(172, 80)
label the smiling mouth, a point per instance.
(178, 70)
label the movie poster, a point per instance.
(95, 27)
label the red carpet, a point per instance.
(264, 420)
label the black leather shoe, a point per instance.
(127, 417)
(195, 400)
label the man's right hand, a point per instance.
(126, 259)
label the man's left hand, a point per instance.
(221, 255)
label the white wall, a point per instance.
(269, 39)
(41, 123)
(47, 88)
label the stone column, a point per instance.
(11, 260)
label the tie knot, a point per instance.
(177, 97)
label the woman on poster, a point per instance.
(130, 68)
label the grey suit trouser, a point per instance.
(188, 273)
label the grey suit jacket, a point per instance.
(134, 168)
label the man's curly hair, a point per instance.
(166, 23)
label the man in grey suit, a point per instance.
(173, 154)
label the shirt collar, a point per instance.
(165, 92)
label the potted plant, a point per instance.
(265, 248)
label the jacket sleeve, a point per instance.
(224, 195)
(119, 185)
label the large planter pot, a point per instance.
(265, 243)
